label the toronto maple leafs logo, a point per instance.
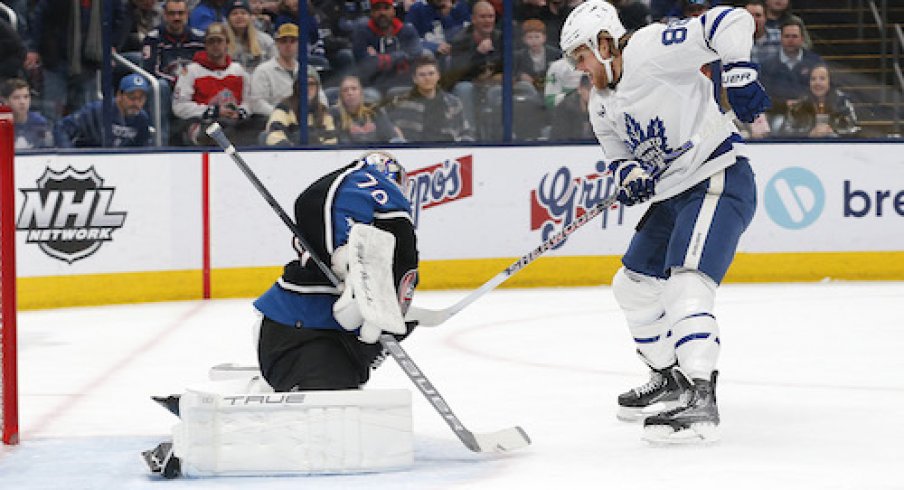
(650, 146)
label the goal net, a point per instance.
(8, 395)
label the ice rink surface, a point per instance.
(811, 393)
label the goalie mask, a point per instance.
(389, 166)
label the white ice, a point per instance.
(811, 392)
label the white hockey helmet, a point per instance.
(386, 164)
(583, 26)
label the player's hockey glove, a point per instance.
(746, 95)
(635, 180)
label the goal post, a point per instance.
(9, 416)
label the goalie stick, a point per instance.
(499, 441)
(431, 318)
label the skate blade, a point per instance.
(697, 433)
(631, 414)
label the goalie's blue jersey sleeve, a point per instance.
(325, 213)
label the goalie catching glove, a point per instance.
(368, 302)
(746, 95)
(636, 182)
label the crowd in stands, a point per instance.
(378, 71)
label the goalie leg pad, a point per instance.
(294, 433)
(689, 296)
(639, 297)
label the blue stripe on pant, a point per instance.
(697, 229)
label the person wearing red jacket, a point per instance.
(384, 48)
(214, 89)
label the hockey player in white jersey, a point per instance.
(666, 141)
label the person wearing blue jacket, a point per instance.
(437, 21)
(131, 124)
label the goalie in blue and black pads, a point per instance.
(311, 337)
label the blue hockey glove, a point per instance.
(746, 95)
(635, 180)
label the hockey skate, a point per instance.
(171, 403)
(659, 394)
(161, 460)
(695, 420)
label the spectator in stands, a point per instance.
(437, 22)
(570, 121)
(532, 61)
(683, 9)
(247, 46)
(206, 12)
(213, 88)
(633, 14)
(551, 12)
(32, 129)
(282, 128)
(384, 47)
(427, 112)
(823, 112)
(786, 77)
(778, 13)
(272, 81)
(12, 52)
(766, 43)
(143, 16)
(288, 13)
(65, 41)
(476, 59)
(166, 53)
(131, 125)
(561, 80)
(263, 13)
(358, 122)
(335, 40)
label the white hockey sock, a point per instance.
(697, 344)
(654, 343)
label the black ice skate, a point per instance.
(171, 403)
(659, 394)
(695, 420)
(161, 460)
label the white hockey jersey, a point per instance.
(663, 106)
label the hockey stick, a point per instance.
(431, 318)
(500, 441)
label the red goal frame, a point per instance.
(9, 403)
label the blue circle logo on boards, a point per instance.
(794, 198)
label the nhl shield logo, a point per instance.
(68, 213)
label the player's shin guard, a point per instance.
(688, 298)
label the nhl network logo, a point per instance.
(68, 214)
